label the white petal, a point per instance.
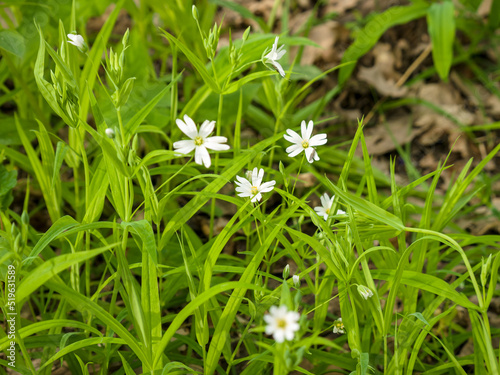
(184, 147)
(279, 336)
(293, 137)
(275, 44)
(325, 201)
(201, 155)
(207, 128)
(243, 182)
(187, 129)
(216, 146)
(257, 197)
(309, 154)
(294, 148)
(303, 130)
(278, 67)
(244, 194)
(318, 140)
(295, 152)
(255, 174)
(267, 186)
(280, 52)
(260, 176)
(310, 127)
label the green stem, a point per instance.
(120, 124)
(298, 173)
(216, 163)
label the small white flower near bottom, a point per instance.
(281, 323)
(364, 291)
(200, 140)
(256, 187)
(338, 326)
(326, 205)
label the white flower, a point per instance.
(338, 326)
(364, 291)
(296, 281)
(276, 54)
(254, 189)
(77, 41)
(281, 323)
(199, 141)
(326, 205)
(110, 133)
(305, 143)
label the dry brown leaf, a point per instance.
(325, 35)
(340, 6)
(382, 75)
(493, 105)
(378, 140)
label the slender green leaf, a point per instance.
(441, 25)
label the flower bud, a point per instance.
(25, 218)
(286, 272)
(110, 133)
(296, 281)
(194, 10)
(125, 38)
(78, 42)
(364, 291)
(246, 34)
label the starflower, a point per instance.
(276, 54)
(326, 205)
(364, 291)
(305, 143)
(256, 187)
(338, 326)
(281, 323)
(78, 42)
(199, 141)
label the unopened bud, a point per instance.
(286, 272)
(194, 10)
(246, 34)
(364, 291)
(125, 38)
(296, 281)
(110, 133)
(78, 41)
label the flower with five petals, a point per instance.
(256, 187)
(305, 143)
(326, 205)
(200, 140)
(281, 323)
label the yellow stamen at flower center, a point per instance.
(254, 190)
(198, 141)
(305, 144)
(327, 211)
(281, 323)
